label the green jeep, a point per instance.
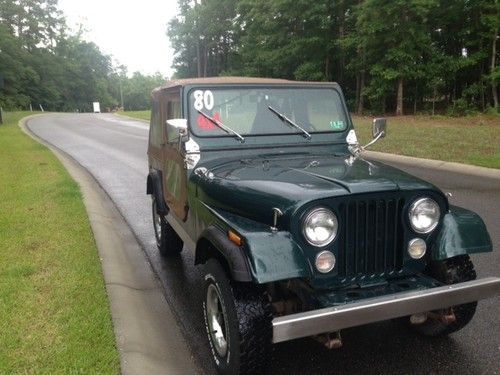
(265, 181)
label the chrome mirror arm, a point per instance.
(356, 149)
(373, 141)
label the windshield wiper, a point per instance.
(286, 120)
(221, 126)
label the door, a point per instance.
(156, 137)
(174, 169)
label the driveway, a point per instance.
(113, 149)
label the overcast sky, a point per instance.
(132, 31)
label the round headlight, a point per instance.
(424, 215)
(320, 227)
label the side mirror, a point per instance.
(379, 127)
(177, 128)
(178, 123)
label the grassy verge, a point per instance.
(143, 115)
(53, 306)
(471, 140)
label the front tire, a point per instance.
(167, 240)
(450, 271)
(238, 320)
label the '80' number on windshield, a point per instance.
(203, 100)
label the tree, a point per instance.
(137, 90)
(203, 36)
(491, 21)
(285, 38)
(395, 36)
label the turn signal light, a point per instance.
(234, 238)
(417, 248)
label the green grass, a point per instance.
(471, 140)
(54, 313)
(143, 115)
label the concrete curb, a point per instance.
(435, 164)
(148, 338)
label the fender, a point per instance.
(154, 186)
(462, 232)
(234, 256)
(269, 256)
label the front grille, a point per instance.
(371, 240)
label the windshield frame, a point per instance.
(313, 85)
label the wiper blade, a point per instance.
(221, 126)
(286, 120)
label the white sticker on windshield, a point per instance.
(203, 100)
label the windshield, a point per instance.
(247, 110)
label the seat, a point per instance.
(266, 122)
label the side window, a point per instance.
(173, 111)
(155, 131)
(174, 107)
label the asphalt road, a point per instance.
(114, 151)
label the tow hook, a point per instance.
(330, 340)
(445, 317)
(418, 318)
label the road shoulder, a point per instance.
(147, 335)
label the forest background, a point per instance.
(389, 56)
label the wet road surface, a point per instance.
(113, 149)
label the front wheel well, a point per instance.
(214, 243)
(206, 250)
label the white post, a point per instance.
(41, 108)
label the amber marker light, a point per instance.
(234, 238)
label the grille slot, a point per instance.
(372, 237)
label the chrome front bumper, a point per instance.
(372, 310)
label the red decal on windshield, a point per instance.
(206, 124)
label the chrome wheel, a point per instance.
(216, 320)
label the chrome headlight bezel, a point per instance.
(307, 222)
(415, 210)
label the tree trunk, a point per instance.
(481, 84)
(399, 100)
(415, 101)
(434, 100)
(493, 63)
(327, 67)
(341, 36)
(226, 53)
(205, 59)
(198, 58)
(358, 80)
(361, 96)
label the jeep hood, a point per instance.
(251, 187)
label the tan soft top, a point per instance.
(232, 80)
